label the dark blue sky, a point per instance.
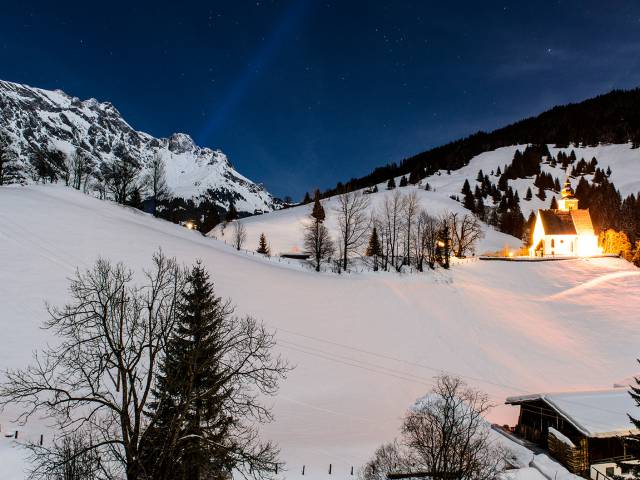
(305, 93)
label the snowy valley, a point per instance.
(365, 345)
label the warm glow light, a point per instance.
(581, 245)
(440, 243)
(189, 225)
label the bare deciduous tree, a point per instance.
(425, 238)
(411, 207)
(99, 378)
(69, 458)
(239, 235)
(390, 221)
(353, 223)
(317, 242)
(388, 458)
(155, 180)
(466, 231)
(78, 167)
(120, 176)
(447, 434)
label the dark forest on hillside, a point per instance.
(610, 118)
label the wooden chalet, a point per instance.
(580, 429)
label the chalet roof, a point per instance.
(561, 222)
(557, 222)
(596, 414)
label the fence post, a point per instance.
(302, 469)
(16, 434)
(41, 438)
(329, 464)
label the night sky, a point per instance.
(305, 93)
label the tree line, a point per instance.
(399, 233)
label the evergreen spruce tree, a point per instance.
(306, 199)
(318, 209)
(479, 208)
(503, 182)
(263, 246)
(541, 194)
(554, 204)
(466, 188)
(415, 175)
(374, 248)
(403, 182)
(232, 213)
(391, 184)
(469, 202)
(528, 195)
(211, 219)
(191, 426)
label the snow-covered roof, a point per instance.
(598, 413)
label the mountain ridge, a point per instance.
(36, 119)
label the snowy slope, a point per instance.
(366, 346)
(284, 228)
(36, 119)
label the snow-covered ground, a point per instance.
(365, 345)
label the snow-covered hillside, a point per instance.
(284, 228)
(365, 346)
(623, 160)
(37, 119)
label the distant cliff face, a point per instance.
(36, 119)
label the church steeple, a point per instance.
(568, 201)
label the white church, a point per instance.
(565, 232)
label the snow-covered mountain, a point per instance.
(36, 119)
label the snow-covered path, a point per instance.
(365, 345)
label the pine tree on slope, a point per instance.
(263, 246)
(318, 209)
(374, 249)
(205, 392)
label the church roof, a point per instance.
(557, 222)
(582, 222)
(562, 222)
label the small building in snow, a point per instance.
(580, 429)
(565, 231)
